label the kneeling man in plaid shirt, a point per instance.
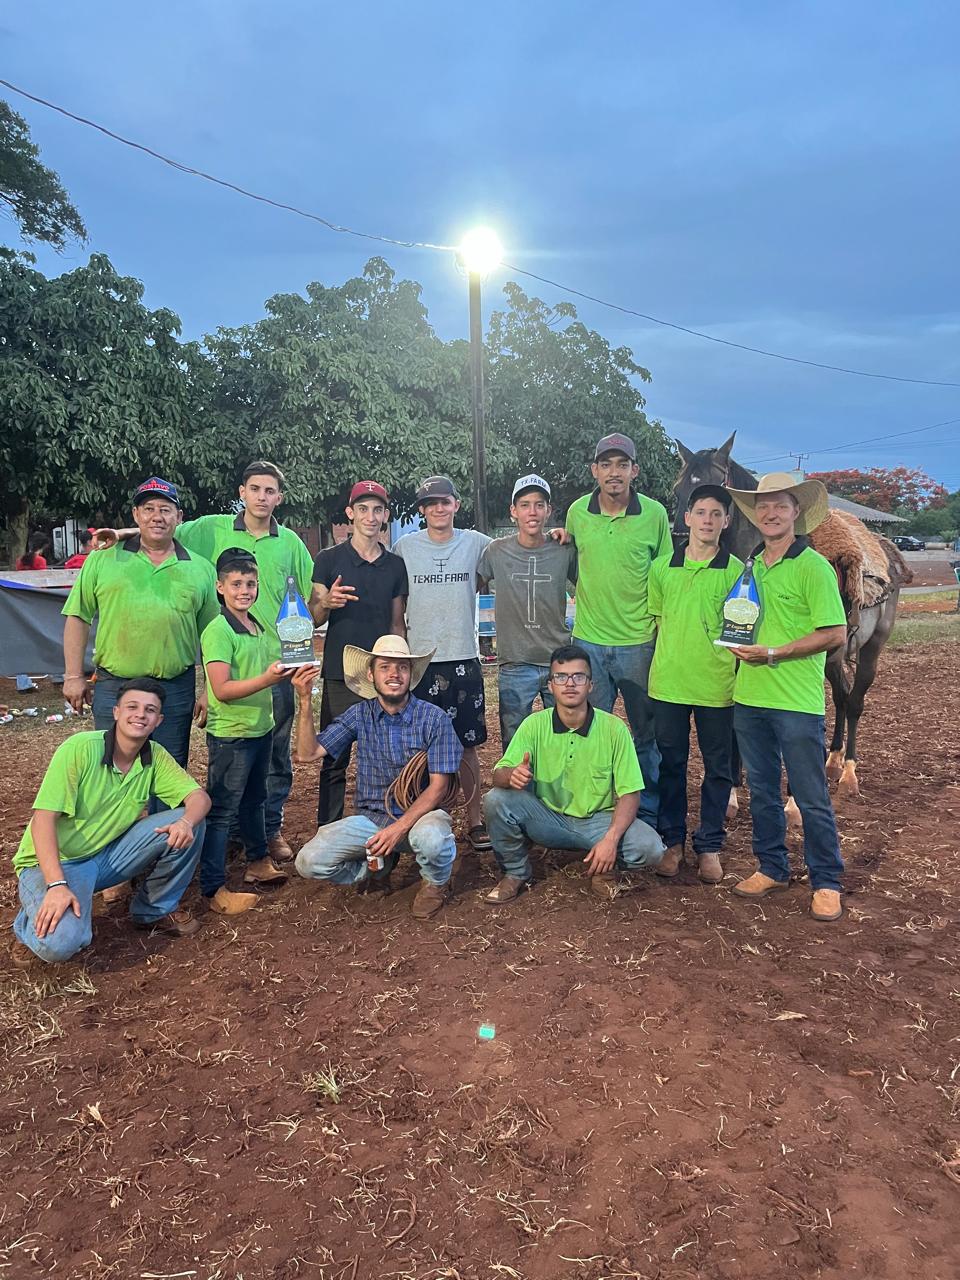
(390, 727)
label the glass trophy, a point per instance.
(295, 628)
(741, 611)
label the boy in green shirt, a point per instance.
(238, 657)
(88, 834)
(692, 675)
(569, 780)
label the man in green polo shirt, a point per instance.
(152, 598)
(619, 533)
(778, 695)
(691, 675)
(87, 833)
(569, 780)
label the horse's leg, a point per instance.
(848, 787)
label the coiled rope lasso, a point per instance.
(410, 783)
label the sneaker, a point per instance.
(509, 888)
(227, 903)
(479, 839)
(710, 869)
(279, 850)
(429, 900)
(604, 884)
(263, 872)
(825, 905)
(671, 862)
(178, 924)
(758, 886)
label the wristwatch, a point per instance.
(771, 660)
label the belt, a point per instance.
(102, 671)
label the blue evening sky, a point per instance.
(783, 176)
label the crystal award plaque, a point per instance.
(295, 628)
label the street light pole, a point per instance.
(480, 253)
(479, 412)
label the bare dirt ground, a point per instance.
(681, 1085)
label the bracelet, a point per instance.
(56, 884)
(771, 660)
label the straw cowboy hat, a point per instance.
(810, 494)
(356, 663)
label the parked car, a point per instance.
(907, 543)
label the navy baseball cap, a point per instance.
(435, 487)
(710, 491)
(156, 487)
(616, 443)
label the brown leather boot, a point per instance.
(758, 886)
(263, 872)
(710, 869)
(826, 906)
(178, 924)
(509, 888)
(227, 903)
(671, 862)
(279, 850)
(429, 900)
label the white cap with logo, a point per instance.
(529, 482)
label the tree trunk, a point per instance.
(18, 526)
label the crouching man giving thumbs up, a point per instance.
(569, 780)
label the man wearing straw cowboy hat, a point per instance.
(399, 738)
(778, 695)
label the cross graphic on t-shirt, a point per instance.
(531, 578)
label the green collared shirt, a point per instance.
(798, 595)
(96, 802)
(279, 553)
(578, 772)
(686, 598)
(247, 654)
(149, 616)
(614, 554)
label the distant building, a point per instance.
(867, 514)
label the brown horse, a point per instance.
(850, 670)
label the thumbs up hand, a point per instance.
(522, 775)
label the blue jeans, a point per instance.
(280, 774)
(517, 819)
(237, 787)
(178, 705)
(766, 738)
(626, 668)
(519, 683)
(338, 853)
(715, 739)
(140, 850)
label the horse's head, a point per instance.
(709, 466)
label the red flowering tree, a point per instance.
(885, 488)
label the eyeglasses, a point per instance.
(576, 678)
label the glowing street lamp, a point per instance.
(480, 253)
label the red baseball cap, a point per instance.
(367, 489)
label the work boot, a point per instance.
(225, 902)
(279, 850)
(21, 957)
(117, 892)
(429, 900)
(671, 862)
(178, 924)
(709, 868)
(263, 872)
(509, 888)
(758, 886)
(825, 905)
(604, 884)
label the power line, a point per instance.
(850, 444)
(446, 248)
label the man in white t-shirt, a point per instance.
(441, 614)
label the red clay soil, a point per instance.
(681, 1085)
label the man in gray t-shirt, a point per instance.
(530, 572)
(441, 615)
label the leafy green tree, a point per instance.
(555, 388)
(96, 392)
(29, 190)
(344, 383)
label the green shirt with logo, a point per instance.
(279, 554)
(96, 802)
(798, 595)
(614, 554)
(247, 654)
(686, 598)
(578, 772)
(149, 616)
